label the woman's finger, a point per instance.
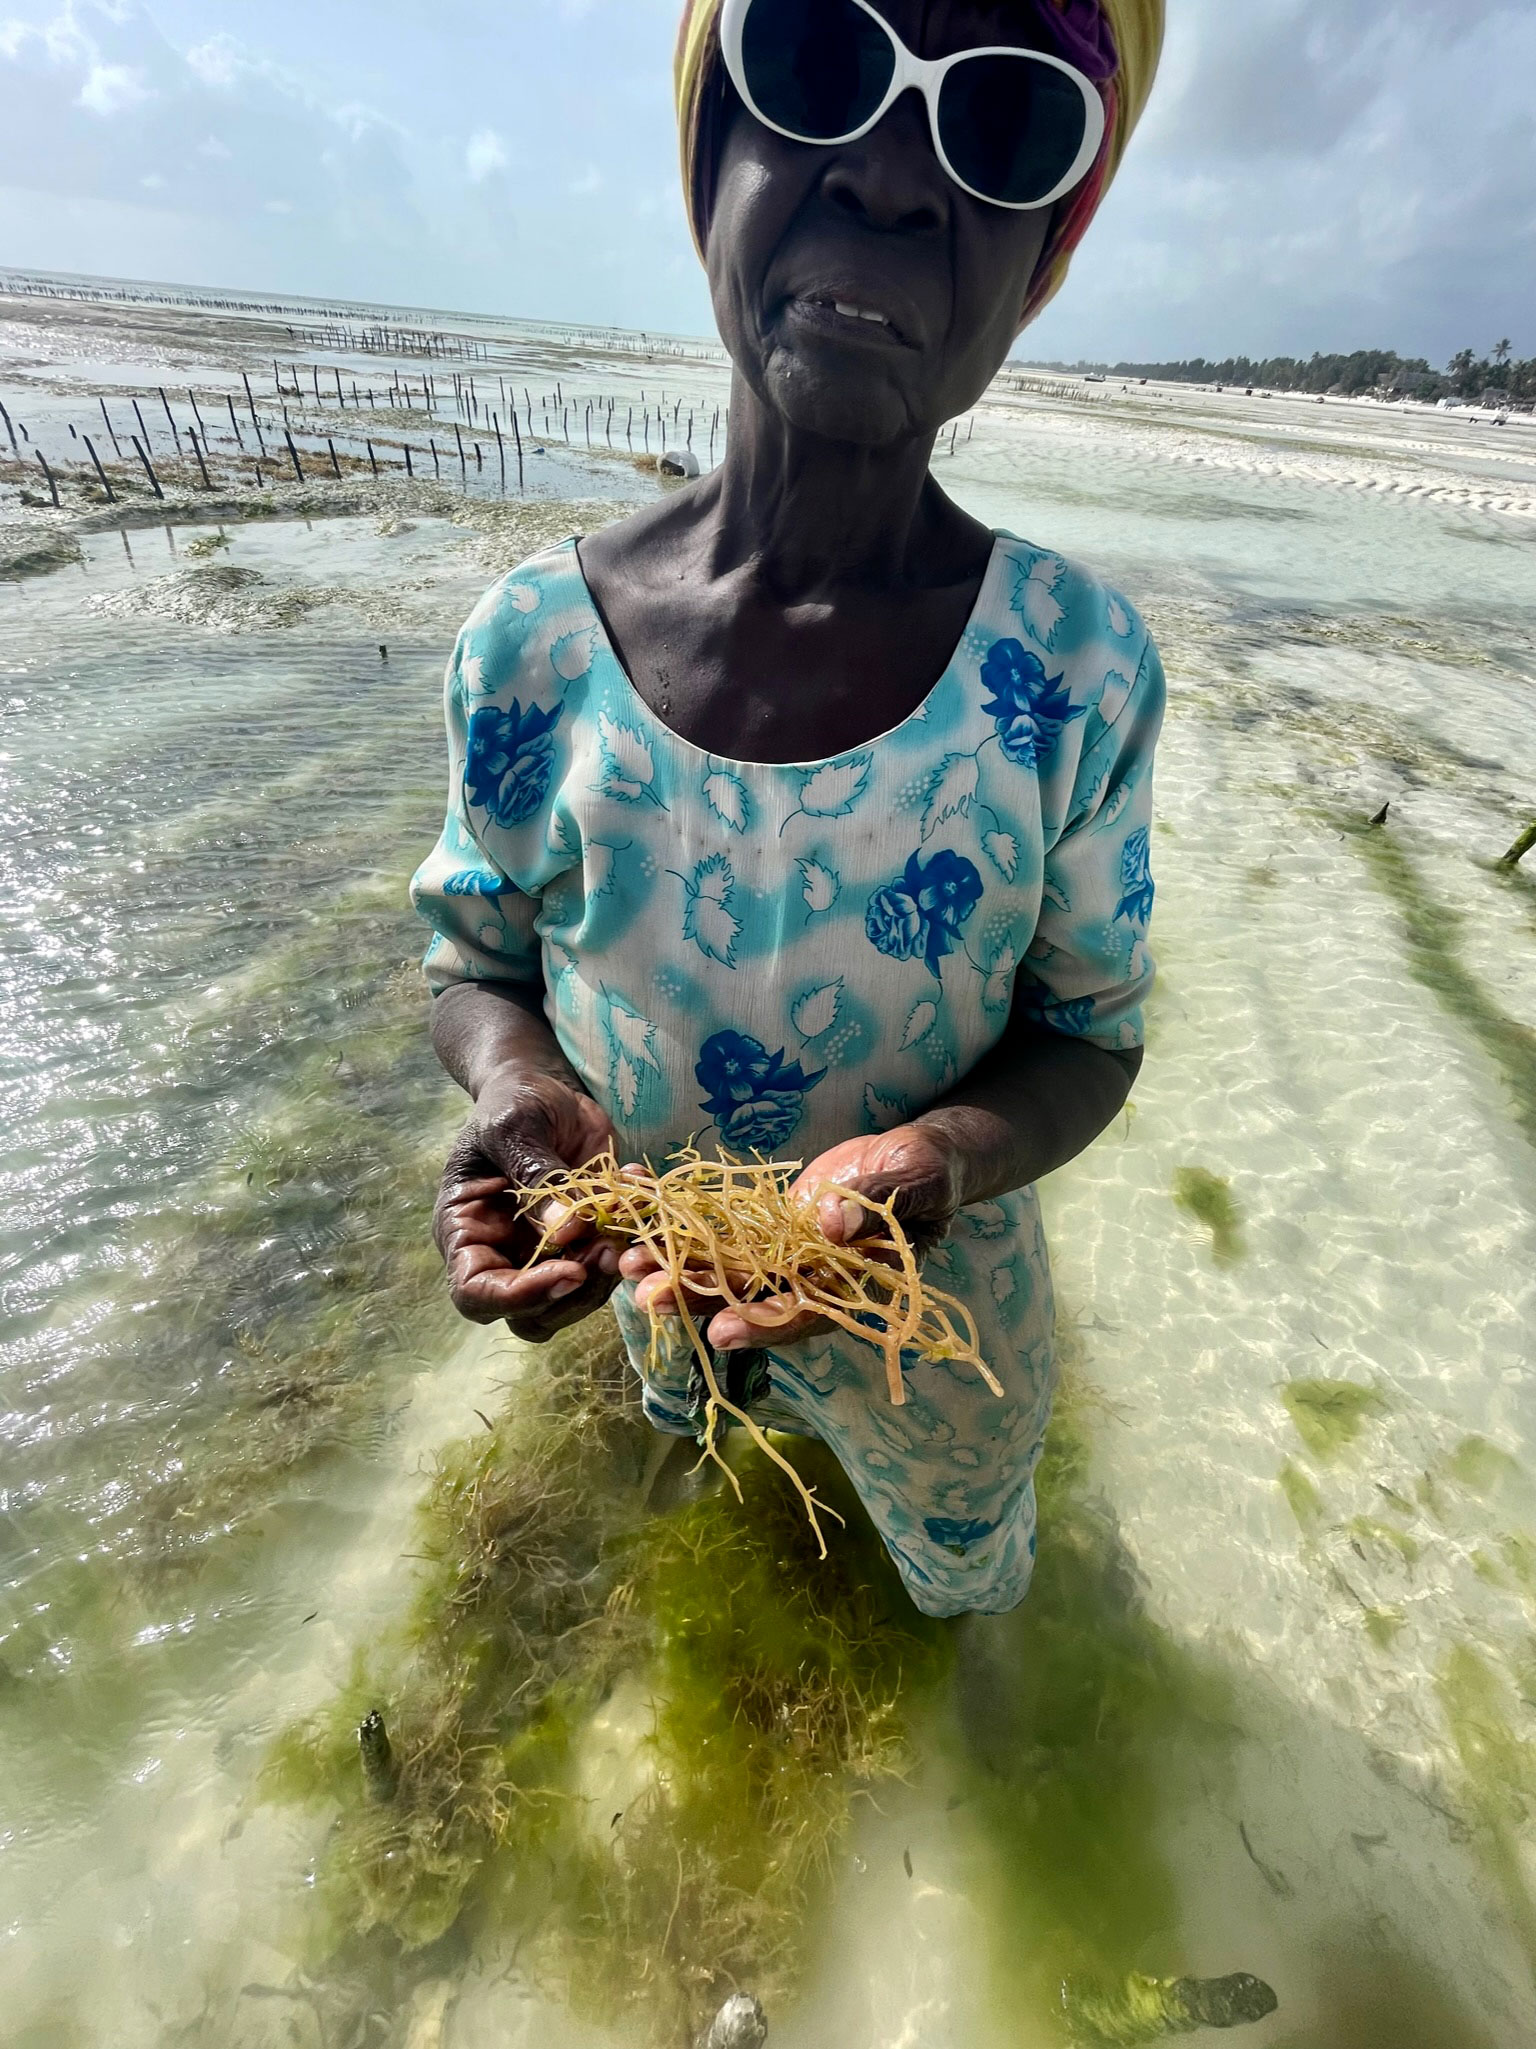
(777, 1321)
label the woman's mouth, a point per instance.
(831, 311)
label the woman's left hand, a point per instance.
(913, 1167)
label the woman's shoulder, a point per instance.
(519, 624)
(1066, 608)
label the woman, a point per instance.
(799, 810)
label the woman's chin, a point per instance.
(837, 400)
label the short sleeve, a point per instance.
(501, 759)
(1088, 969)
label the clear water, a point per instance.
(224, 1367)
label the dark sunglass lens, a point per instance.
(1011, 128)
(819, 68)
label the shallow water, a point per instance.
(1272, 1707)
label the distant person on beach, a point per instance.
(799, 811)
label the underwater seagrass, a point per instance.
(779, 1687)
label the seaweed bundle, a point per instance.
(731, 1231)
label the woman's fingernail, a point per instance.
(554, 1214)
(851, 1215)
(561, 1289)
(608, 1260)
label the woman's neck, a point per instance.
(807, 516)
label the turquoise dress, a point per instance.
(776, 957)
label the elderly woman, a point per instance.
(801, 811)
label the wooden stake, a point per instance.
(192, 396)
(234, 421)
(518, 439)
(48, 473)
(197, 450)
(154, 481)
(335, 465)
(110, 428)
(373, 458)
(95, 458)
(175, 437)
(408, 470)
(294, 454)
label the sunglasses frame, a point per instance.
(927, 76)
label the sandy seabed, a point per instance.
(1274, 1709)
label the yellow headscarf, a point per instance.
(1137, 27)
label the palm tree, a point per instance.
(1503, 350)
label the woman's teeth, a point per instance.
(858, 312)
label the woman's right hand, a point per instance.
(525, 1126)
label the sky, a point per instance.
(1355, 175)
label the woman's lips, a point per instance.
(845, 314)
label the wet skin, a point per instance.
(798, 602)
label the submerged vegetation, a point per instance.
(1209, 1200)
(777, 1685)
(1432, 931)
(1330, 1414)
(761, 1692)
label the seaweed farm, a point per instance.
(1259, 1752)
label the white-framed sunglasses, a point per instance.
(1017, 128)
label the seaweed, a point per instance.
(1500, 1771)
(1302, 1497)
(779, 1686)
(1330, 1414)
(1210, 1201)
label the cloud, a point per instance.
(109, 88)
(1360, 177)
(484, 153)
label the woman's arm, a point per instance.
(531, 1118)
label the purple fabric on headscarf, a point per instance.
(1080, 33)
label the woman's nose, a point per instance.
(891, 180)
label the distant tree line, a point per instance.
(1497, 378)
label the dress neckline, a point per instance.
(916, 716)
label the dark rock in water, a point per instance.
(1234, 2002)
(740, 2024)
(381, 1775)
(1151, 2009)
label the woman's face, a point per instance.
(876, 224)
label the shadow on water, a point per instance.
(763, 1694)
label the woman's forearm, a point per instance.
(482, 1028)
(1037, 1100)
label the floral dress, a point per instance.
(776, 957)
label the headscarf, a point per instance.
(1116, 43)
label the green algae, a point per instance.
(779, 1689)
(1499, 1766)
(1210, 1201)
(1432, 931)
(1384, 1626)
(1077, 1719)
(1301, 1497)
(1369, 1535)
(1329, 1415)
(1479, 1466)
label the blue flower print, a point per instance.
(511, 760)
(1136, 879)
(476, 882)
(1073, 1019)
(924, 909)
(754, 1098)
(956, 1536)
(1030, 707)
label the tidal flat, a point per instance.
(1271, 1707)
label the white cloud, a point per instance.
(153, 182)
(218, 62)
(484, 153)
(110, 88)
(590, 181)
(211, 146)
